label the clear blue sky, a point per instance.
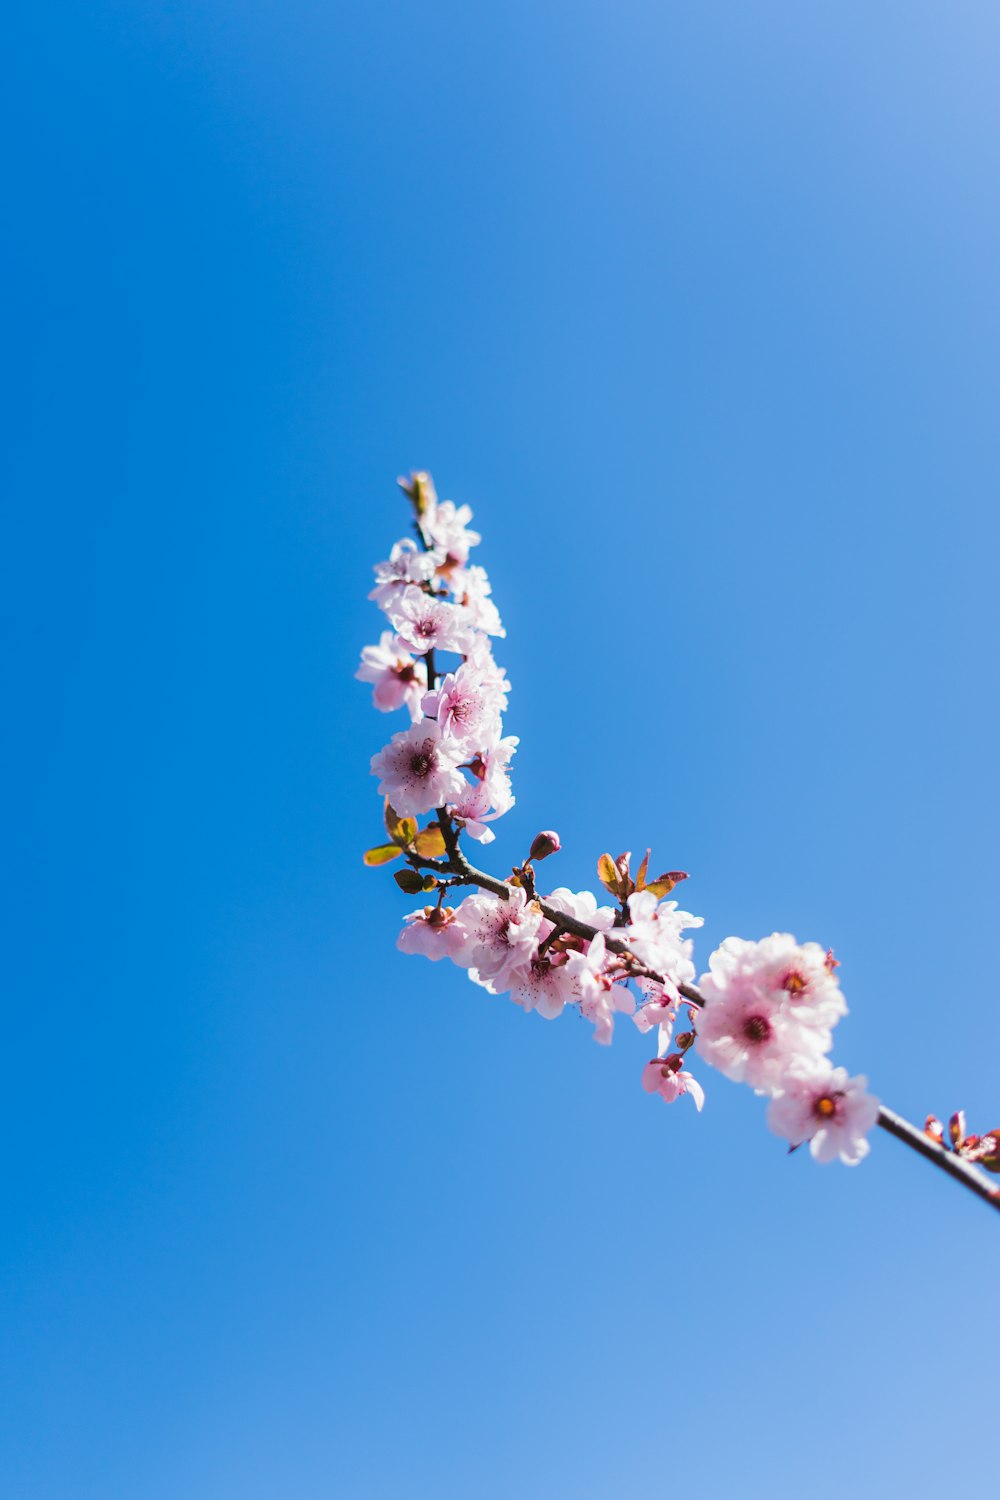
(697, 305)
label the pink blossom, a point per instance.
(472, 588)
(583, 906)
(750, 1037)
(407, 564)
(544, 984)
(502, 935)
(398, 679)
(490, 789)
(658, 1009)
(654, 933)
(801, 973)
(435, 931)
(467, 706)
(419, 769)
(825, 1107)
(424, 623)
(600, 996)
(447, 525)
(492, 676)
(666, 1076)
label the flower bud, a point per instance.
(544, 844)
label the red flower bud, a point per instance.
(544, 844)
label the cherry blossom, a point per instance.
(466, 705)
(764, 1012)
(419, 769)
(435, 931)
(666, 1076)
(490, 789)
(653, 934)
(751, 1038)
(398, 679)
(600, 996)
(502, 935)
(825, 1107)
(446, 526)
(472, 588)
(425, 623)
(544, 984)
(406, 564)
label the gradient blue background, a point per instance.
(697, 305)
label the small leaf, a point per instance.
(392, 819)
(429, 842)
(956, 1127)
(381, 854)
(990, 1146)
(410, 881)
(640, 877)
(607, 873)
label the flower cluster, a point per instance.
(764, 1013)
(767, 1019)
(454, 755)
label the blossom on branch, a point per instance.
(825, 1107)
(419, 769)
(398, 680)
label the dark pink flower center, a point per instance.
(756, 1029)
(825, 1107)
(421, 763)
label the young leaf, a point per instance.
(956, 1127)
(381, 854)
(410, 881)
(990, 1145)
(664, 884)
(607, 873)
(640, 876)
(429, 842)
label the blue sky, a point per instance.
(697, 307)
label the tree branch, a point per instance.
(911, 1135)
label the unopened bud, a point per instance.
(544, 844)
(684, 1040)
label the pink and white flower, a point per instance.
(583, 906)
(654, 933)
(472, 589)
(825, 1107)
(544, 984)
(801, 973)
(658, 1009)
(666, 1076)
(490, 789)
(406, 564)
(467, 704)
(601, 998)
(446, 525)
(502, 935)
(419, 769)
(435, 932)
(750, 1037)
(425, 623)
(397, 678)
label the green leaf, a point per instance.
(381, 854)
